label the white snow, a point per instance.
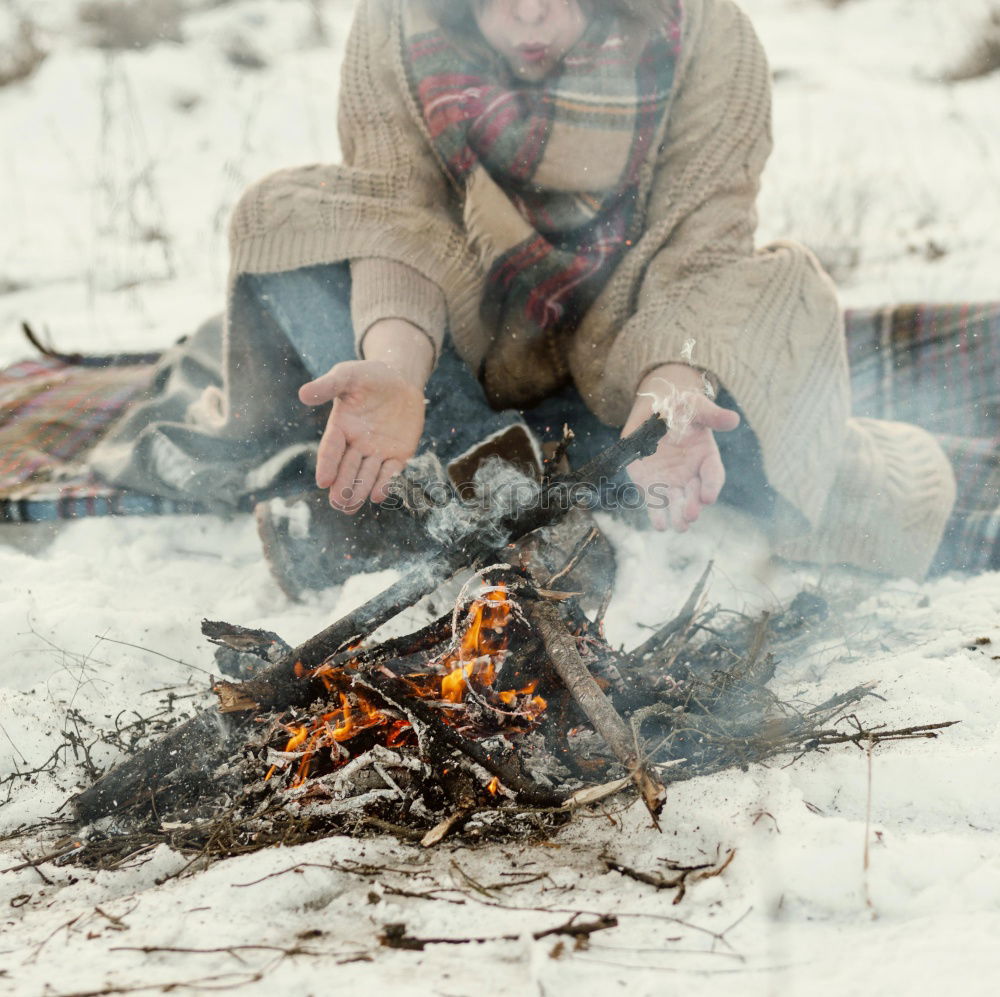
(117, 172)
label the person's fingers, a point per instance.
(659, 519)
(692, 500)
(327, 386)
(365, 481)
(714, 417)
(328, 456)
(389, 470)
(342, 490)
(713, 477)
(657, 507)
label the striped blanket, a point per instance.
(937, 366)
(51, 414)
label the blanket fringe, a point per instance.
(79, 360)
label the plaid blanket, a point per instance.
(51, 414)
(938, 366)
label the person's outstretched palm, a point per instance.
(372, 431)
(687, 463)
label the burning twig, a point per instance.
(395, 692)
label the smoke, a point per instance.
(496, 494)
(676, 406)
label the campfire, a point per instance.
(470, 673)
(500, 718)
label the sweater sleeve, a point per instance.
(387, 202)
(382, 289)
(705, 188)
(766, 323)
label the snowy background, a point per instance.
(118, 167)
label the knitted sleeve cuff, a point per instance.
(382, 289)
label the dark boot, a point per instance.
(311, 546)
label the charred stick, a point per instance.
(615, 458)
(602, 610)
(686, 874)
(261, 644)
(828, 738)
(421, 641)
(595, 473)
(554, 459)
(367, 618)
(264, 692)
(577, 555)
(394, 935)
(579, 929)
(188, 753)
(562, 651)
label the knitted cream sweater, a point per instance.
(765, 322)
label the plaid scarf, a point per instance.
(550, 173)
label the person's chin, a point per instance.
(532, 72)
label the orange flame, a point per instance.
(334, 727)
(484, 639)
(473, 664)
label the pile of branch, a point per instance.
(346, 734)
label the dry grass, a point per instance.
(983, 56)
(20, 55)
(131, 24)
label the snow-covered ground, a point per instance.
(117, 171)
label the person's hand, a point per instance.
(372, 431)
(377, 415)
(686, 468)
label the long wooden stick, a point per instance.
(583, 687)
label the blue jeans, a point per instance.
(311, 308)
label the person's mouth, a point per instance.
(533, 54)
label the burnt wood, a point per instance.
(394, 692)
